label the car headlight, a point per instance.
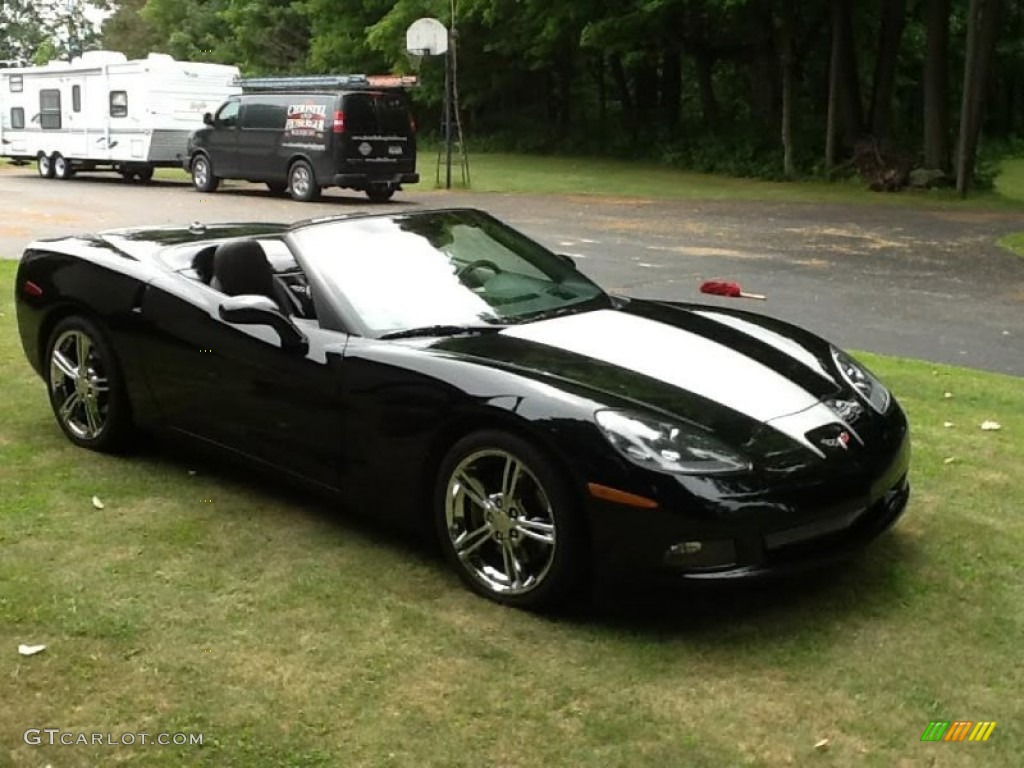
(674, 448)
(862, 380)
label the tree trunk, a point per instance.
(622, 87)
(981, 35)
(785, 33)
(851, 108)
(706, 85)
(894, 15)
(936, 86)
(671, 87)
(833, 96)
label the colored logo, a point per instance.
(958, 730)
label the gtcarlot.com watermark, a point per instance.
(59, 737)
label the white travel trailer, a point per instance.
(102, 111)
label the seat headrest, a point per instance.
(240, 267)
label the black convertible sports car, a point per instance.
(440, 369)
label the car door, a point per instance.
(234, 385)
(261, 125)
(222, 140)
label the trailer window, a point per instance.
(76, 98)
(16, 83)
(119, 103)
(49, 109)
(17, 118)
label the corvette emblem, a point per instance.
(842, 440)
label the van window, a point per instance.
(49, 109)
(17, 118)
(264, 116)
(119, 103)
(227, 115)
(76, 98)
(385, 113)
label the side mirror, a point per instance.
(207, 119)
(260, 310)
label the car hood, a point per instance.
(718, 368)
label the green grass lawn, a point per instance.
(289, 635)
(504, 173)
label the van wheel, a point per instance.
(277, 187)
(202, 174)
(303, 182)
(62, 167)
(380, 193)
(45, 166)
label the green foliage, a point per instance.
(694, 83)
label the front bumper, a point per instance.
(778, 534)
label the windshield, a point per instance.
(442, 268)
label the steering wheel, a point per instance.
(479, 264)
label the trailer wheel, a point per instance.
(145, 174)
(62, 168)
(45, 166)
(202, 174)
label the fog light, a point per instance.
(714, 553)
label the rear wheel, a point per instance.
(380, 193)
(202, 174)
(44, 165)
(86, 389)
(507, 522)
(62, 167)
(302, 182)
(145, 174)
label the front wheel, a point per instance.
(86, 389)
(380, 193)
(44, 165)
(303, 182)
(507, 522)
(202, 174)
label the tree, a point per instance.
(21, 30)
(130, 31)
(981, 36)
(936, 85)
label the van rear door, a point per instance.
(378, 138)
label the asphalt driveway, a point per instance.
(924, 283)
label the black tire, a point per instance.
(302, 182)
(62, 168)
(145, 175)
(277, 188)
(203, 178)
(107, 426)
(380, 193)
(548, 575)
(44, 166)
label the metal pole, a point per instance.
(448, 117)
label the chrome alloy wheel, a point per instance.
(500, 522)
(301, 180)
(78, 385)
(200, 172)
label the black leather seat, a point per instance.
(241, 268)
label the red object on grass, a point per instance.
(728, 288)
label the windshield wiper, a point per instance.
(441, 330)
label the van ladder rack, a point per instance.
(324, 82)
